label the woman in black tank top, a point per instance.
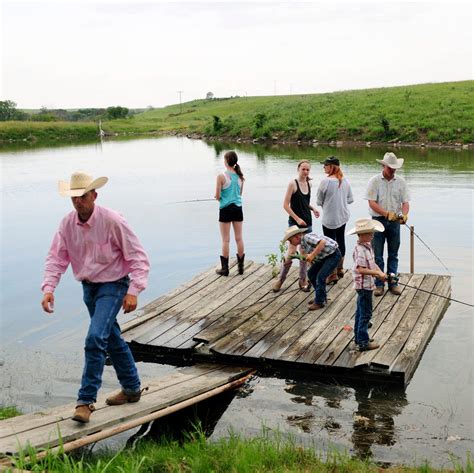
(298, 207)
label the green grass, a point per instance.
(8, 411)
(33, 132)
(427, 113)
(430, 113)
(196, 454)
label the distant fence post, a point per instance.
(412, 249)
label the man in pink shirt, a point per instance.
(102, 251)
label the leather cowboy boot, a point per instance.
(122, 397)
(303, 282)
(224, 271)
(340, 268)
(285, 267)
(332, 278)
(83, 412)
(240, 263)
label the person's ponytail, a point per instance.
(231, 160)
(239, 171)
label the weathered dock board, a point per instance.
(54, 427)
(238, 319)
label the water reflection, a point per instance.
(416, 158)
(372, 419)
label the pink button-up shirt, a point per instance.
(103, 249)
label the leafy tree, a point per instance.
(114, 113)
(209, 96)
(7, 110)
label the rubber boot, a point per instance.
(240, 263)
(224, 271)
(340, 268)
(285, 267)
(303, 282)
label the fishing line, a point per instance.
(439, 295)
(395, 278)
(428, 248)
(187, 201)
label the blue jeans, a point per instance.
(103, 301)
(318, 273)
(392, 235)
(362, 317)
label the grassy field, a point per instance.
(429, 113)
(41, 132)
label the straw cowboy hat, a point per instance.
(390, 160)
(366, 225)
(80, 184)
(292, 231)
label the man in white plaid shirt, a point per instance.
(322, 253)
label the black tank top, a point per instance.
(299, 203)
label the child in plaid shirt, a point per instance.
(363, 273)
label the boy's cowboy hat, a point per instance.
(292, 231)
(79, 184)
(390, 160)
(366, 225)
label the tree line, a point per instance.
(9, 111)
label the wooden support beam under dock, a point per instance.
(53, 428)
(239, 320)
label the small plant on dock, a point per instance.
(274, 260)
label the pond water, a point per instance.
(41, 357)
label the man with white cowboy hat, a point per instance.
(323, 255)
(363, 273)
(388, 198)
(103, 251)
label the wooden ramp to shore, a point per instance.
(238, 319)
(53, 427)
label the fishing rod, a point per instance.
(432, 252)
(395, 278)
(188, 201)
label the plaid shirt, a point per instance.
(363, 256)
(310, 241)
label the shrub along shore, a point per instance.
(427, 115)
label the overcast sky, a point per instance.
(69, 54)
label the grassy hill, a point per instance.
(430, 113)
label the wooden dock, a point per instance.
(53, 427)
(239, 320)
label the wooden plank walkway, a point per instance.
(238, 319)
(54, 427)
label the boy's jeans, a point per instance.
(318, 273)
(392, 235)
(104, 300)
(362, 317)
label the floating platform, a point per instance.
(239, 320)
(53, 428)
